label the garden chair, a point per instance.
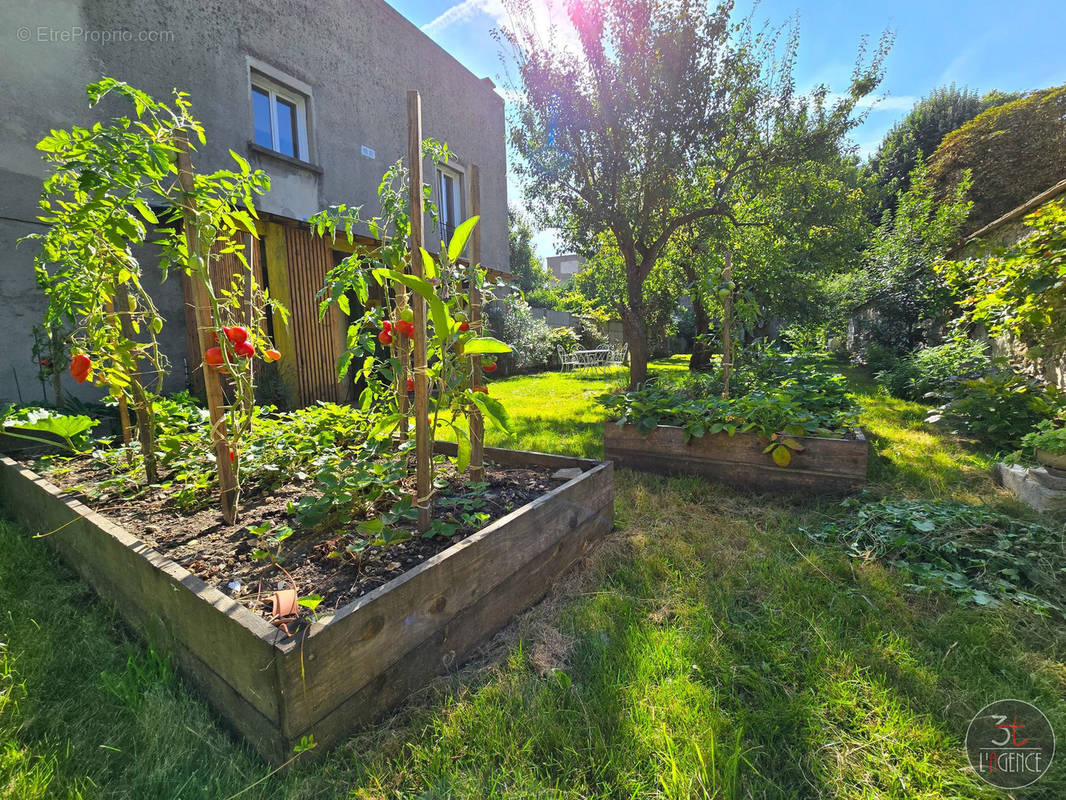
(566, 361)
(618, 357)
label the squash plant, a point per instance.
(115, 188)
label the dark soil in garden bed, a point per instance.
(316, 559)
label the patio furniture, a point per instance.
(566, 360)
(618, 357)
(592, 359)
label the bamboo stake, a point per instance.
(201, 302)
(477, 424)
(423, 445)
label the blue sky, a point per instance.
(1011, 46)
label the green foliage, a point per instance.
(929, 373)
(918, 135)
(1013, 151)
(1050, 435)
(114, 188)
(672, 114)
(451, 342)
(1022, 289)
(998, 408)
(979, 555)
(530, 275)
(901, 280)
(566, 338)
(777, 394)
(528, 337)
(27, 422)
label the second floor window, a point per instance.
(280, 118)
(449, 202)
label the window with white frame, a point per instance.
(449, 201)
(279, 116)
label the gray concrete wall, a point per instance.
(358, 57)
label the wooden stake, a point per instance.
(477, 424)
(201, 303)
(727, 326)
(423, 445)
(142, 406)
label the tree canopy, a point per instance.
(529, 273)
(666, 113)
(919, 134)
(1014, 151)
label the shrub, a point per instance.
(929, 373)
(1050, 435)
(589, 334)
(999, 408)
(565, 338)
(528, 337)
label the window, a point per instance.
(279, 117)
(449, 202)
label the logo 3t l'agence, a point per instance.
(1010, 744)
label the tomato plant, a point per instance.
(453, 343)
(113, 188)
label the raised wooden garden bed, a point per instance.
(825, 465)
(349, 668)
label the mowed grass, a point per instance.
(707, 650)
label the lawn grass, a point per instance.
(708, 650)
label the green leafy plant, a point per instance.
(1050, 435)
(930, 372)
(25, 423)
(979, 555)
(114, 188)
(784, 396)
(998, 408)
(1021, 289)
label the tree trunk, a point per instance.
(701, 350)
(635, 323)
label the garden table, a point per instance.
(592, 358)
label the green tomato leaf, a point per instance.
(485, 345)
(458, 242)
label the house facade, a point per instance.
(313, 93)
(564, 267)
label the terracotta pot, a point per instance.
(286, 607)
(1056, 460)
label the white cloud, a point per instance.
(462, 12)
(548, 19)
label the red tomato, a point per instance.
(481, 389)
(410, 384)
(386, 326)
(236, 334)
(272, 355)
(490, 367)
(232, 456)
(385, 337)
(79, 367)
(46, 362)
(213, 356)
(464, 326)
(244, 349)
